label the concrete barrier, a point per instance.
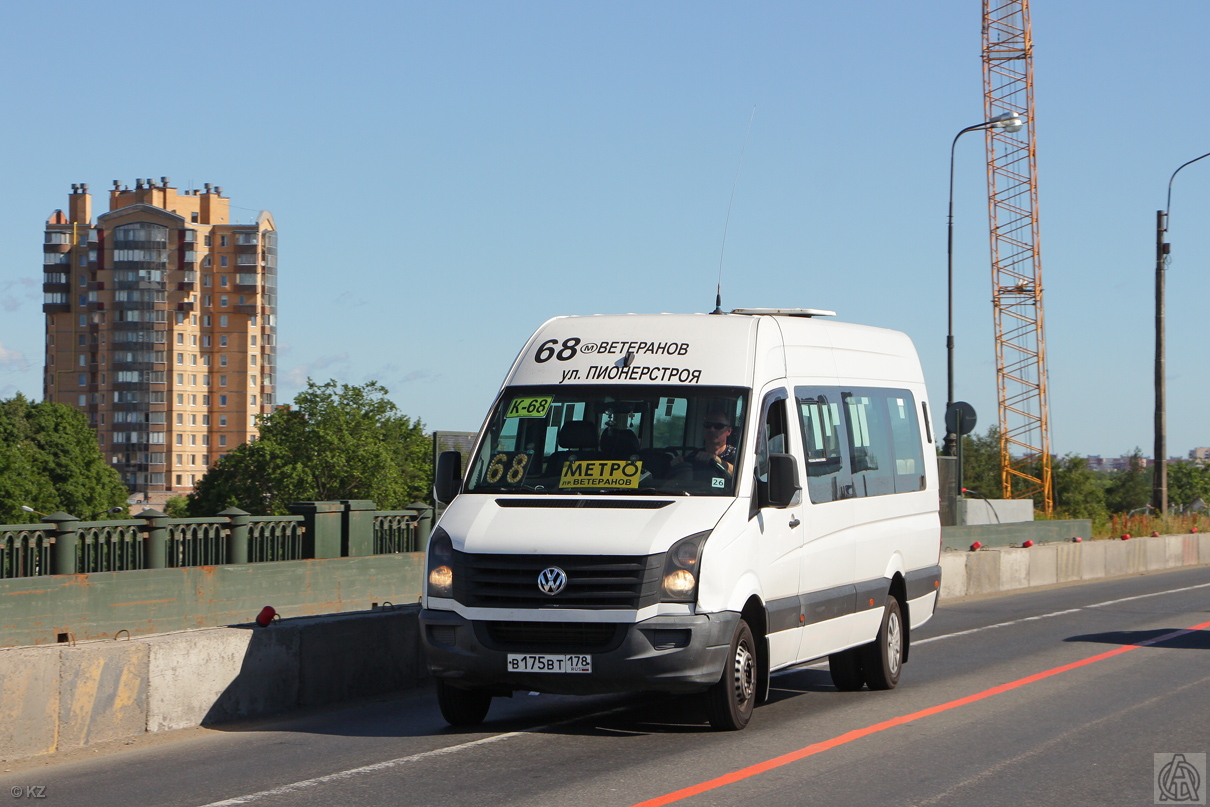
(996, 570)
(64, 696)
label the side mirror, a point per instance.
(447, 477)
(783, 485)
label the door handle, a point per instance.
(794, 522)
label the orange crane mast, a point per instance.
(1025, 459)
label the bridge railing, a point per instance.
(64, 544)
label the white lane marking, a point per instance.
(1057, 613)
(393, 763)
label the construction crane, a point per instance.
(1025, 461)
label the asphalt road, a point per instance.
(1060, 696)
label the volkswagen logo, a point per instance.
(551, 581)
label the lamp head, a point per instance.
(1008, 121)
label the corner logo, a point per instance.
(1180, 778)
(551, 581)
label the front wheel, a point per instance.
(462, 707)
(729, 703)
(882, 660)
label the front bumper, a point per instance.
(662, 654)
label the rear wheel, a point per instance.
(882, 660)
(729, 703)
(462, 707)
(845, 669)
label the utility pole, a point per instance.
(1159, 478)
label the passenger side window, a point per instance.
(869, 449)
(827, 478)
(905, 435)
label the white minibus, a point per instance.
(687, 503)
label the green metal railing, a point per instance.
(152, 540)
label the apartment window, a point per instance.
(50, 359)
(193, 340)
(206, 340)
(193, 400)
(192, 478)
(222, 320)
(83, 319)
(222, 340)
(192, 440)
(180, 419)
(192, 461)
(222, 380)
(222, 301)
(205, 420)
(180, 439)
(206, 321)
(205, 361)
(180, 379)
(180, 358)
(192, 420)
(83, 379)
(180, 339)
(252, 320)
(252, 378)
(222, 240)
(180, 317)
(206, 260)
(178, 462)
(222, 261)
(205, 460)
(207, 240)
(193, 360)
(251, 421)
(222, 440)
(180, 399)
(205, 400)
(206, 281)
(205, 301)
(82, 360)
(222, 400)
(222, 420)
(205, 441)
(205, 379)
(193, 379)
(193, 218)
(223, 282)
(241, 299)
(193, 319)
(222, 360)
(81, 400)
(252, 400)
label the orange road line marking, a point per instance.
(857, 734)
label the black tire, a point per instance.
(462, 707)
(882, 660)
(845, 669)
(729, 703)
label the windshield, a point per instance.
(600, 439)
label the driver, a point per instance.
(716, 428)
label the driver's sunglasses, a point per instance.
(708, 424)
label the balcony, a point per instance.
(186, 306)
(252, 310)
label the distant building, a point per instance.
(1113, 464)
(1200, 454)
(161, 322)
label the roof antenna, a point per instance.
(718, 294)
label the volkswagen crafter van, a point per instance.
(687, 503)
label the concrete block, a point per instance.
(994, 511)
(1203, 547)
(102, 692)
(1189, 550)
(29, 701)
(1044, 564)
(1174, 551)
(1092, 559)
(341, 658)
(1156, 555)
(1136, 555)
(1068, 562)
(1014, 568)
(1116, 557)
(216, 674)
(953, 575)
(982, 572)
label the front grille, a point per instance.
(564, 637)
(593, 581)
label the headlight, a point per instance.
(440, 565)
(681, 565)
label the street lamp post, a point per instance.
(1009, 122)
(1159, 480)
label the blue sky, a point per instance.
(446, 176)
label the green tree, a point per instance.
(981, 463)
(335, 442)
(1188, 482)
(177, 507)
(1078, 490)
(49, 460)
(1129, 489)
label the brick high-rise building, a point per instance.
(160, 325)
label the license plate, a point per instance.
(548, 663)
